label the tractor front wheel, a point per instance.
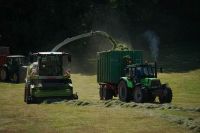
(166, 96)
(151, 97)
(139, 94)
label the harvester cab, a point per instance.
(49, 76)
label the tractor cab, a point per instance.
(16, 61)
(14, 69)
(140, 71)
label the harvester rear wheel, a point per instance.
(123, 91)
(27, 97)
(139, 94)
(166, 97)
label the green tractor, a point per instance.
(13, 69)
(123, 74)
(141, 84)
(48, 76)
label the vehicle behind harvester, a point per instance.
(124, 74)
(12, 67)
(48, 77)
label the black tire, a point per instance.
(101, 93)
(3, 74)
(15, 78)
(166, 96)
(28, 98)
(107, 93)
(75, 96)
(124, 94)
(151, 97)
(139, 94)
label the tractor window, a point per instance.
(144, 71)
(50, 65)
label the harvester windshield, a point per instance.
(50, 65)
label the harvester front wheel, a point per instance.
(166, 96)
(123, 91)
(27, 97)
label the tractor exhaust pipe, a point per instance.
(155, 69)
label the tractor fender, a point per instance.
(129, 82)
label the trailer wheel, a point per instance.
(166, 97)
(3, 74)
(101, 93)
(139, 94)
(107, 93)
(123, 91)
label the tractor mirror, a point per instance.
(69, 58)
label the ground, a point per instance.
(89, 114)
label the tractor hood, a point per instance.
(151, 82)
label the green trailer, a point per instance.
(111, 64)
(124, 74)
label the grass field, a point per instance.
(16, 116)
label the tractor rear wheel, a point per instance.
(124, 94)
(166, 96)
(3, 74)
(139, 94)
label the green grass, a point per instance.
(16, 116)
